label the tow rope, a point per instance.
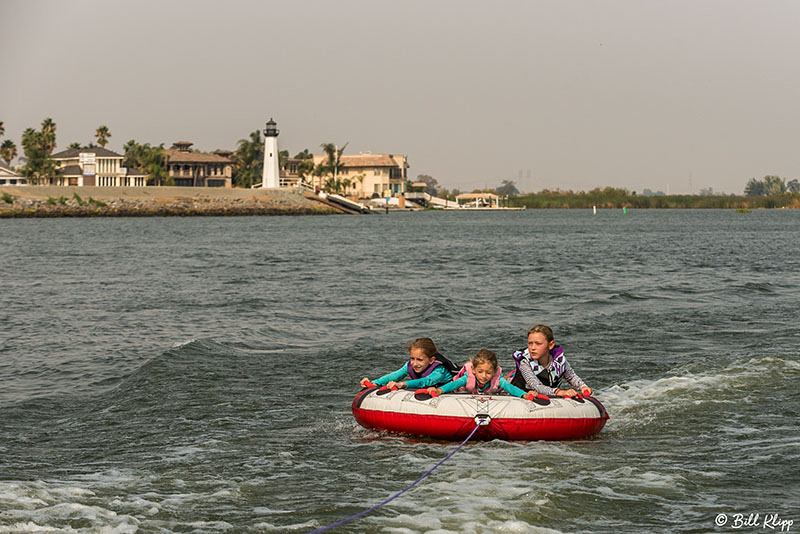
(480, 421)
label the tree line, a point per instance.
(771, 185)
(771, 192)
(617, 198)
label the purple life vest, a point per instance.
(428, 370)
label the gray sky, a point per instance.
(665, 95)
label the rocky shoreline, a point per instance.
(52, 201)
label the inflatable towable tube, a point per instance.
(454, 415)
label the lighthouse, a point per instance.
(271, 177)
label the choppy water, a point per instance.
(195, 375)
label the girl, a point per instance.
(480, 375)
(542, 365)
(425, 366)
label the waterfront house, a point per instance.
(288, 172)
(95, 167)
(198, 169)
(368, 175)
(11, 177)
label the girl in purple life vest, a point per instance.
(542, 366)
(481, 375)
(425, 367)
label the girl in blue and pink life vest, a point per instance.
(481, 375)
(425, 367)
(542, 366)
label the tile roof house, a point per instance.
(369, 175)
(198, 169)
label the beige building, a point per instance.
(368, 175)
(94, 167)
(11, 177)
(197, 169)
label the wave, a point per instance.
(640, 402)
(39, 506)
(758, 287)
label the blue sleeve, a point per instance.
(395, 376)
(511, 388)
(454, 385)
(439, 376)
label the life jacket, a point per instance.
(439, 360)
(472, 381)
(551, 375)
(450, 366)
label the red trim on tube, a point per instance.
(455, 428)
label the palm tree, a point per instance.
(154, 160)
(102, 134)
(74, 145)
(40, 168)
(28, 138)
(334, 153)
(360, 179)
(249, 160)
(319, 171)
(8, 151)
(2, 129)
(305, 168)
(49, 135)
(133, 154)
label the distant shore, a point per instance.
(63, 201)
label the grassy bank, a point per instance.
(52, 201)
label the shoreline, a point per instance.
(71, 201)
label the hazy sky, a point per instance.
(666, 95)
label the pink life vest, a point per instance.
(472, 382)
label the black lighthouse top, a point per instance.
(271, 130)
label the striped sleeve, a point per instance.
(573, 379)
(532, 381)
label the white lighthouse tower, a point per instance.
(271, 177)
